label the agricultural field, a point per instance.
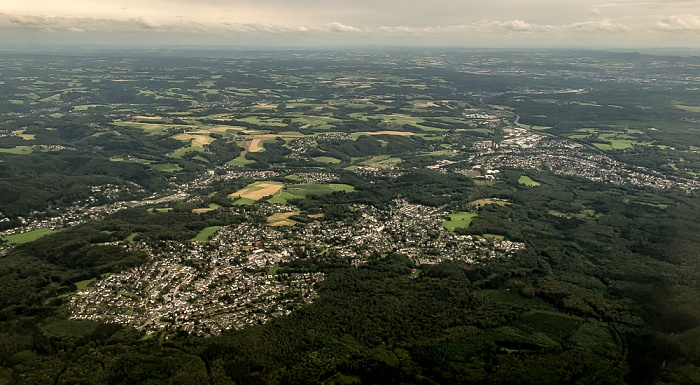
(19, 150)
(459, 220)
(206, 233)
(27, 237)
(212, 207)
(257, 190)
(301, 191)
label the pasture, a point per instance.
(462, 219)
(527, 181)
(18, 150)
(327, 159)
(29, 236)
(206, 234)
(301, 191)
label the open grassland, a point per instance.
(490, 201)
(527, 181)
(254, 145)
(19, 150)
(160, 210)
(83, 285)
(282, 219)
(356, 135)
(327, 159)
(196, 139)
(21, 134)
(258, 190)
(448, 153)
(300, 191)
(617, 137)
(166, 167)
(317, 122)
(381, 161)
(261, 121)
(206, 233)
(243, 202)
(212, 207)
(240, 161)
(462, 219)
(29, 236)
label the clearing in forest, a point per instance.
(282, 219)
(258, 190)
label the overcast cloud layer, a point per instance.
(495, 23)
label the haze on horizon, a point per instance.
(498, 23)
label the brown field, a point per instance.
(144, 117)
(197, 140)
(151, 126)
(254, 145)
(282, 219)
(427, 104)
(223, 129)
(24, 136)
(258, 190)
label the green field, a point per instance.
(19, 150)
(462, 219)
(243, 202)
(131, 237)
(160, 210)
(381, 161)
(240, 161)
(29, 236)
(83, 285)
(327, 159)
(300, 191)
(166, 167)
(206, 233)
(527, 181)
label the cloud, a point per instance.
(338, 27)
(679, 23)
(75, 29)
(521, 26)
(30, 20)
(146, 23)
(599, 26)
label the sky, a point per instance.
(456, 23)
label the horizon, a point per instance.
(501, 23)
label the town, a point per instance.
(241, 268)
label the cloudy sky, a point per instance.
(494, 23)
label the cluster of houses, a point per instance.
(526, 149)
(238, 277)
